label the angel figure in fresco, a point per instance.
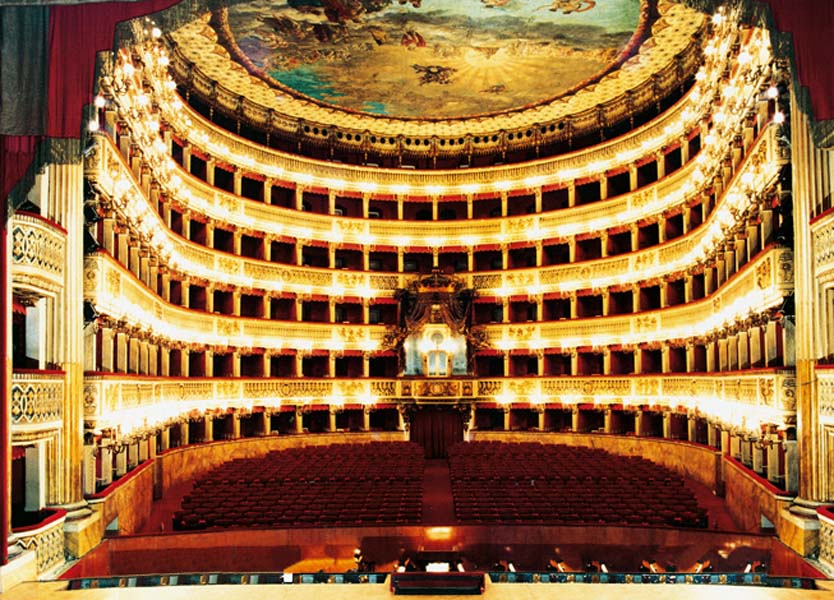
(434, 74)
(571, 6)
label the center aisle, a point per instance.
(438, 504)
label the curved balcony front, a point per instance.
(119, 295)
(738, 399)
(756, 171)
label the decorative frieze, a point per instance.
(47, 542)
(744, 402)
(38, 253)
(205, 263)
(125, 300)
(37, 400)
(671, 58)
(826, 551)
(825, 394)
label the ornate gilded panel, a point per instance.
(37, 399)
(826, 552)
(38, 253)
(438, 389)
(825, 394)
(198, 59)
(247, 273)
(48, 544)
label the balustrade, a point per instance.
(37, 400)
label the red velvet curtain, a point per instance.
(812, 24)
(76, 33)
(16, 154)
(436, 429)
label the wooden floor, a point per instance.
(496, 591)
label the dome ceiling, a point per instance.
(429, 58)
(420, 80)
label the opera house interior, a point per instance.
(441, 295)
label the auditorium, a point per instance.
(360, 298)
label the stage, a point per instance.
(56, 590)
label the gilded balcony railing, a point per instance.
(738, 399)
(659, 68)
(825, 395)
(746, 79)
(37, 253)
(118, 295)
(109, 170)
(37, 400)
(826, 551)
(46, 539)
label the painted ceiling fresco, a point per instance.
(429, 58)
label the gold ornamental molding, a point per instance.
(759, 169)
(822, 231)
(826, 519)
(37, 401)
(118, 295)
(38, 254)
(140, 88)
(134, 405)
(662, 65)
(825, 395)
(47, 542)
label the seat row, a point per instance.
(499, 482)
(379, 484)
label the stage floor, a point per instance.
(495, 591)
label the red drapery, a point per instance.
(16, 154)
(76, 33)
(811, 22)
(436, 429)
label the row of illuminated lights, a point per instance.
(143, 101)
(337, 235)
(174, 251)
(535, 232)
(166, 98)
(720, 41)
(736, 414)
(147, 319)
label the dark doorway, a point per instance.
(436, 428)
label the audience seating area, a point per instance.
(336, 485)
(492, 482)
(497, 482)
